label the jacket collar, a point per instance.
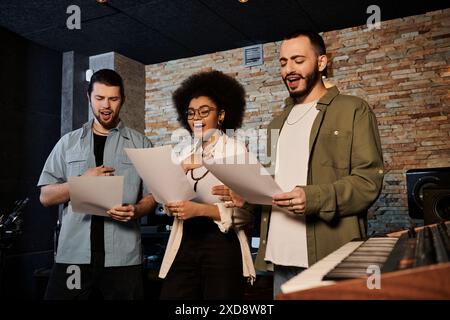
(87, 129)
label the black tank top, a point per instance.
(97, 222)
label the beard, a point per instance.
(109, 124)
(310, 80)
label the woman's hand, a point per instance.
(184, 210)
(230, 198)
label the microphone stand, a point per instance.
(10, 228)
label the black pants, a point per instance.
(123, 283)
(208, 264)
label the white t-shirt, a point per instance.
(286, 242)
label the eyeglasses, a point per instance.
(203, 112)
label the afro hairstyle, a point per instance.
(225, 91)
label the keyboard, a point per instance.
(356, 259)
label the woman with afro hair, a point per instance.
(207, 255)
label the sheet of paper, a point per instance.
(247, 177)
(163, 176)
(95, 195)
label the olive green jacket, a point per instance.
(345, 174)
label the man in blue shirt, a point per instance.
(106, 251)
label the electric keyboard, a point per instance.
(427, 246)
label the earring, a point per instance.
(219, 123)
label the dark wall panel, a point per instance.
(30, 102)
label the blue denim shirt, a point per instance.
(72, 156)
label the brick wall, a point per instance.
(401, 69)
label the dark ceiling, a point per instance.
(152, 31)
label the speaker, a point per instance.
(418, 180)
(436, 205)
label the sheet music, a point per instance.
(248, 178)
(162, 173)
(95, 195)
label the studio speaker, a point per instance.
(436, 205)
(419, 180)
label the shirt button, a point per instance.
(380, 171)
(264, 241)
(265, 219)
(336, 132)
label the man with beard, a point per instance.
(103, 252)
(328, 154)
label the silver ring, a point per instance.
(290, 202)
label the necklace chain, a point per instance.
(301, 117)
(197, 179)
